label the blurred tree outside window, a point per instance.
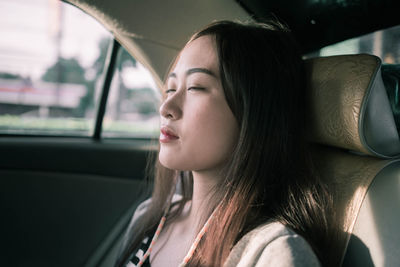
(51, 58)
(132, 107)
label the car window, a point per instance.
(133, 101)
(383, 44)
(51, 60)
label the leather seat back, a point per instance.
(356, 145)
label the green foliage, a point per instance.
(87, 102)
(65, 70)
(98, 64)
(69, 70)
(124, 58)
(5, 75)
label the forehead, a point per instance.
(199, 53)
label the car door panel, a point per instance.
(62, 198)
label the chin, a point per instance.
(175, 164)
(169, 162)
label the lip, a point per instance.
(167, 135)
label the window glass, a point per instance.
(384, 44)
(132, 107)
(51, 57)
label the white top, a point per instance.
(270, 244)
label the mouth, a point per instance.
(167, 135)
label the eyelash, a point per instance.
(190, 88)
(195, 88)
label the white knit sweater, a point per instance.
(272, 244)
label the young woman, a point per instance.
(234, 184)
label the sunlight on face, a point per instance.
(198, 129)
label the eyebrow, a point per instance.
(194, 70)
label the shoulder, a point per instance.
(139, 212)
(272, 244)
(144, 206)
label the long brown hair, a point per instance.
(269, 176)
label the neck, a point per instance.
(203, 184)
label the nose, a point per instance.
(171, 108)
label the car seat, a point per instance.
(355, 150)
(355, 145)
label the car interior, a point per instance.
(351, 118)
(66, 200)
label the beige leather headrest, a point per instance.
(349, 105)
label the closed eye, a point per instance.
(169, 91)
(196, 88)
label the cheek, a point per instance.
(209, 136)
(214, 130)
(218, 138)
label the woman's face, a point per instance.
(198, 129)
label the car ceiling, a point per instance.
(153, 31)
(318, 23)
